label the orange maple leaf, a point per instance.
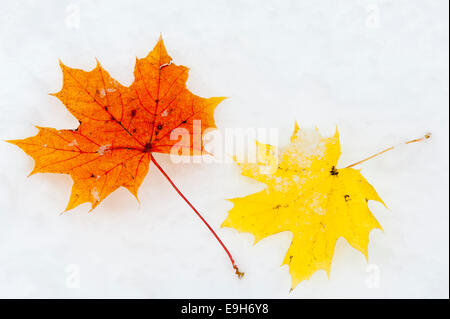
(120, 127)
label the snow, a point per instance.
(95, 194)
(376, 69)
(73, 143)
(103, 148)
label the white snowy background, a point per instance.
(377, 69)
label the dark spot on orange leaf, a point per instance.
(147, 147)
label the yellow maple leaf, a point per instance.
(307, 195)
